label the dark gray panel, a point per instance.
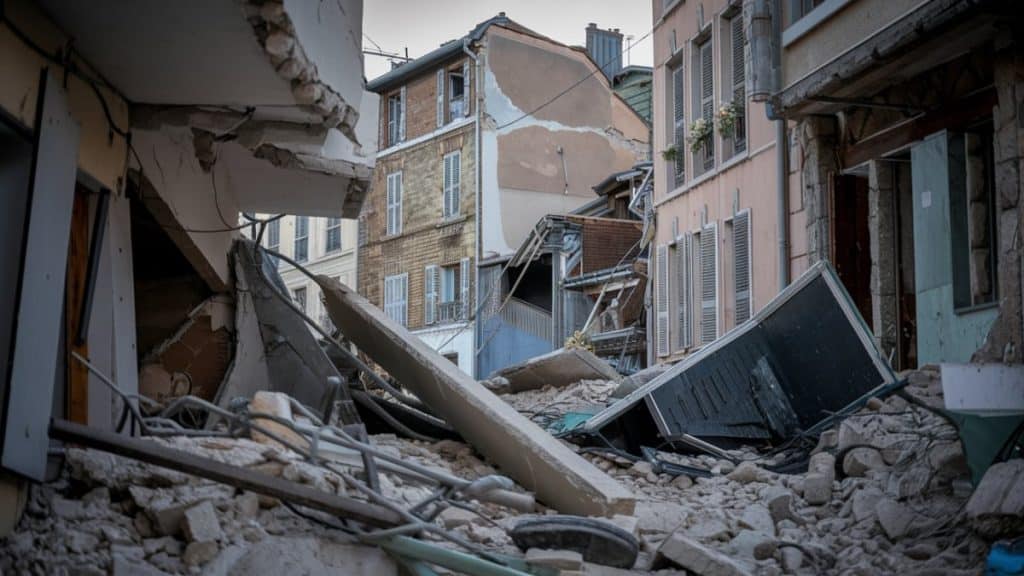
(40, 303)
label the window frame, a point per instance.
(332, 229)
(397, 309)
(301, 239)
(300, 295)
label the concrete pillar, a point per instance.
(882, 226)
(818, 138)
(1006, 338)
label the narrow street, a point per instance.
(719, 288)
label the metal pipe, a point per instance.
(782, 190)
(477, 251)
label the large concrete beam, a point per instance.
(561, 478)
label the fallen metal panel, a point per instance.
(805, 355)
(39, 326)
(154, 453)
(561, 478)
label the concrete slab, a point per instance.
(557, 368)
(561, 478)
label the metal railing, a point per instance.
(453, 311)
(531, 319)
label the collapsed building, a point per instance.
(167, 408)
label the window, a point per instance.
(299, 295)
(704, 103)
(396, 117)
(735, 63)
(446, 292)
(274, 238)
(333, 234)
(684, 274)
(678, 125)
(973, 219)
(456, 95)
(394, 204)
(452, 184)
(301, 238)
(742, 276)
(396, 291)
(800, 8)
(709, 283)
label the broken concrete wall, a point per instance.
(560, 477)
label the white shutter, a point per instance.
(465, 88)
(742, 269)
(440, 98)
(404, 299)
(401, 115)
(707, 100)
(661, 301)
(739, 83)
(709, 282)
(398, 203)
(456, 182)
(679, 124)
(390, 226)
(684, 253)
(430, 274)
(464, 281)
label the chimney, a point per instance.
(605, 49)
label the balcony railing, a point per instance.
(529, 318)
(452, 311)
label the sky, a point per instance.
(422, 25)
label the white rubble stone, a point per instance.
(746, 473)
(682, 482)
(659, 516)
(560, 559)
(792, 559)
(780, 504)
(817, 488)
(894, 518)
(642, 468)
(630, 524)
(199, 553)
(864, 502)
(758, 518)
(857, 462)
(709, 528)
(746, 543)
(453, 517)
(247, 505)
(698, 558)
(997, 506)
(200, 523)
(122, 566)
(68, 509)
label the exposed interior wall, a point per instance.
(544, 158)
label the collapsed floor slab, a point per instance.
(557, 368)
(560, 477)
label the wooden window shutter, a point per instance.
(456, 184)
(742, 265)
(446, 185)
(739, 97)
(684, 253)
(661, 301)
(465, 88)
(679, 124)
(390, 226)
(430, 281)
(464, 283)
(709, 282)
(707, 100)
(401, 115)
(440, 98)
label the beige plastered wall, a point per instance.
(548, 161)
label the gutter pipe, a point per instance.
(476, 193)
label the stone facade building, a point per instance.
(473, 150)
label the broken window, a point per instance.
(396, 291)
(333, 234)
(972, 219)
(452, 184)
(394, 204)
(396, 117)
(299, 295)
(456, 96)
(301, 253)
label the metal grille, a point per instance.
(709, 283)
(741, 265)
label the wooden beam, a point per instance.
(954, 115)
(153, 453)
(77, 399)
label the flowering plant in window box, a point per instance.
(700, 133)
(668, 154)
(727, 115)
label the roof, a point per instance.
(446, 51)
(634, 69)
(615, 179)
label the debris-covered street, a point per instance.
(591, 287)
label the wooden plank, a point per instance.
(952, 116)
(78, 262)
(153, 453)
(561, 478)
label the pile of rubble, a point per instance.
(884, 492)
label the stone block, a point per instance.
(894, 518)
(757, 518)
(200, 523)
(560, 559)
(858, 462)
(746, 473)
(817, 488)
(864, 502)
(697, 558)
(199, 553)
(996, 508)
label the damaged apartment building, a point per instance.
(127, 157)
(471, 154)
(878, 136)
